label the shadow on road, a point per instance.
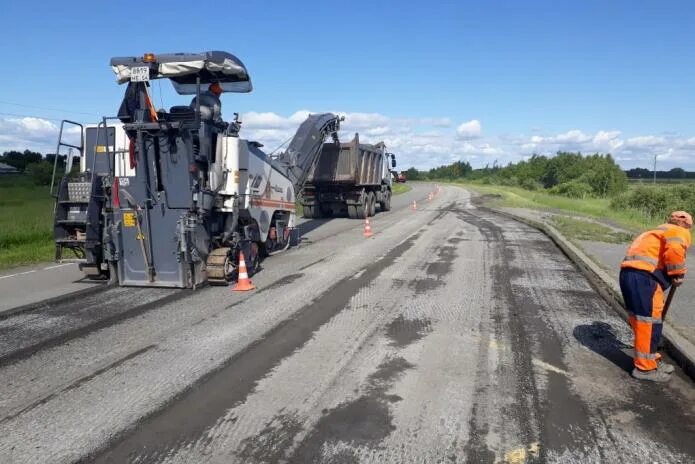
(600, 338)
(308, 226)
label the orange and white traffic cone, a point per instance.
(429, 197)
(243, 283)
(367, 228)
(414, 206)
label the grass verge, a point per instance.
(578, 229)
(26, 222)
(397, 189)
(597, 208)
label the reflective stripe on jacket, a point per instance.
(663, 248)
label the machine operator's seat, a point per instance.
(181, 113)
(210, 107)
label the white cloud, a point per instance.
(469, 130)
(645, 141)
(379, 130)
(263, 120)
(573, 136)
(422, 142)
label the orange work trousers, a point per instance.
(644, 299)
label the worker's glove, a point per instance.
(677, 281)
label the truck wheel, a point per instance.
(352, 211)
(371, 202)
(386, 204)
(363, 207)
(361, 212)
(309, 212)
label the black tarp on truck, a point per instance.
(350, 178)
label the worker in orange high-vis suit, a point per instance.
(654, 262)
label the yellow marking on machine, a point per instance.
(129, 219)
(140, 236)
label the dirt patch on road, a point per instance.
(363, 422)
(425, 285)
(272, 442)
(403, 332)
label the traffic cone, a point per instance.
(243, 283)
(367, 228)
(414, 206)
(429, 197)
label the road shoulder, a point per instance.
(678, 347)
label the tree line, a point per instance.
(36, 165)
(568, 174)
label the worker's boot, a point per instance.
(655, 375)
(666, 367)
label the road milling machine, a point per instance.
(171, 198)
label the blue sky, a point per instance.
(438, 81)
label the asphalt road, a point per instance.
(452, 335)
(32, 284)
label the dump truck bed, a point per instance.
(349, 164)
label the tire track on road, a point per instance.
(77, 383)
(223, 389)
(29, 335)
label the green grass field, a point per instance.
(579, 229)
(397, 189)
(26, 222)
(598, 208)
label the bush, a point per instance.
(657, 202)
(507, 181)
(573, 189)
(530, 184)
(41, 173)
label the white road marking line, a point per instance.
(358, 274)
(15, 275)
(57, 265)
(548, 367)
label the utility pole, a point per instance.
(655, 168)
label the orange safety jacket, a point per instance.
(663, 248)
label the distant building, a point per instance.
(7, 169)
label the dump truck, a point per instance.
(173, 198)
(349, 179)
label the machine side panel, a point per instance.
(269, 191)
(133, 268)
(95, 157)
(173, 171)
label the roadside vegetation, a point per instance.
(591, 185)
(26, 208)
(398, 189)
(577, 229)
(26, 221)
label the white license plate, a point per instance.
(140, 74)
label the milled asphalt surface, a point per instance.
(681, 315)
(452, 335)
